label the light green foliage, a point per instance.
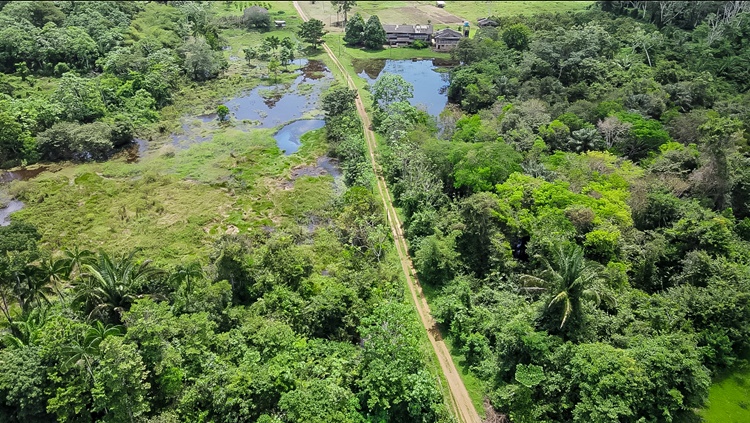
(481, 166)
(120, 388)
(391, 88)
(517, 37)
(79, 98)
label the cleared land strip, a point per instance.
(463, 408)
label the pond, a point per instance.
(288, 137)
(430, 85)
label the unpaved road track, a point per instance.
(463, 408)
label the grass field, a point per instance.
(729, 398)
(472, 10)
(423, 12)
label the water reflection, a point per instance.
(429, 84)
(288, 137)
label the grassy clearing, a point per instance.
(729, 398)
(473, 10)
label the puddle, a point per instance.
(429, 85)
(190, 127)
(13, 206)
(21, 174)
(288, 137)
(136, 150)
(324, 166)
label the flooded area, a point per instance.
(264, 106)
(19, 174)
(430, 85)
(269, 106)
(13, 206)
(288, 137)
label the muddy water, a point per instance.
(21, 174)
(288, 137)
(429, 85)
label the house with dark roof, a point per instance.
(446, 39)
(402, 35)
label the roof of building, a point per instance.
(408, 29)
(486, 22)
(447, 33)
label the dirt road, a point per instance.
(463, 408)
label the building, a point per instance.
(280, 24)
(446, 39)
(482, 22)
(402, 35)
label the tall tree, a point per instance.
(343, 6)
(355, 30)
(374, 35)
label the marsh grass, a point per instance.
(729, 398)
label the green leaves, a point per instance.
(529, 375)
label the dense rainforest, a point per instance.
(578, 217)
(581, 213)
(301, 318)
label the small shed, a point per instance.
(279, 24)
(484, 22)
(440, 3)
(446, 39)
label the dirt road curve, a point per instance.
(463, 408)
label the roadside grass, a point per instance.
(729, 398)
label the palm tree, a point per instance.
(108, 287)
(75, 259)
(54, 274)
(571, 278)
(83, 352)
(187, 274)
(26, 330)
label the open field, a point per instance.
(394, 12)
(729, 398)
(455, 12)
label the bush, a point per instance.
(72, 141)
(419, 44)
